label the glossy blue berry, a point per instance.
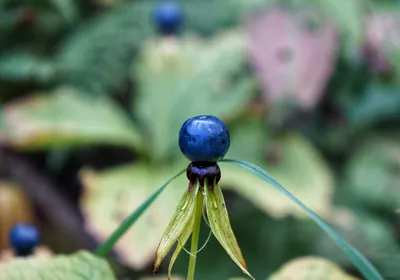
(24, 238)
(168, 17)
(204, 139)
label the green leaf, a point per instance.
(379, 103)
(349, 16)
(162, 278)
(372, 233)
(372, 175)
(310, 268)
(290, 158)
(221, 226)
(363, 265)
(67, 9)
(65, 117)
(251, 5)
(109, 197)
(181, 222)
(189, 77)
(251, 129)
(79, 266)
(26, 68)
(96, 57)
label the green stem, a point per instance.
(195, 236)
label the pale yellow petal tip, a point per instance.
(156, 266)
(248, 274)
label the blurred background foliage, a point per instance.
(92, 98)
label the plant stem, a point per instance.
(195, 236)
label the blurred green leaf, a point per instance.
(310, 268)
(25, 67)
(348, 15)
(298, 167)
(80, 266)
(110, 196)
(63, 118)
(251, 5)
(373, 172)
(96, 56)
(161, 278)
(249, 139)
(364, 266)
(379, 103)
(179, 79)
(373, 234)
(67, 9)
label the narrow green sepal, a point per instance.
(181, 243)
(221, 226)
(181, 222)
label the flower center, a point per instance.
(202, 171)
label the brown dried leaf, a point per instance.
(15, 207)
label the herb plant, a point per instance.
(82, 83)
(205, 140)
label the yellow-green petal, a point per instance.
(181, 242)
(221, 226)
(178, 224)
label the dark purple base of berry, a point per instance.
(23, 252)
(202, 171)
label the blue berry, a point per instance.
(204, 139)
(168, 17)
(24, 238)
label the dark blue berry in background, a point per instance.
(168, 17)
(24, 238)
(204, 139)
